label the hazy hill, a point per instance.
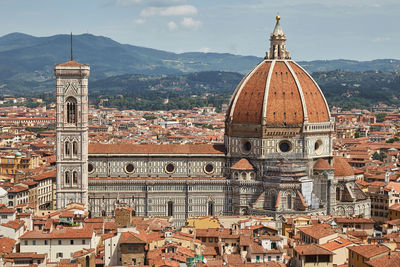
(28, 58)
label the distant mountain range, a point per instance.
(25, 58)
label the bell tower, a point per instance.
(72, 132)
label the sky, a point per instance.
(315, 29)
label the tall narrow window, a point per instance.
(67, 178)
(67, 148)
(210, 208)
(75, 178)
(273, 200)
(71, 110)
(75, 148)
(289, 202)
(170, 211)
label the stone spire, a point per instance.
(278, 43)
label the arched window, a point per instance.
(75, 178)
(71, 109)
(67, 148)
(170, 208)
(75, 148)
(210, 208)
(67, 178)
(289, 202)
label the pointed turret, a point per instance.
(278, 43)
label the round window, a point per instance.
(90, 168)
(209, 168)
(246, 146)
(285, 146)
(170, 168)
(318, 146)
(129, 168)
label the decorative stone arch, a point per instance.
(243, 175)
(349, 210)
(244, 211)
(340, 211)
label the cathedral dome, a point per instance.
(278, 92)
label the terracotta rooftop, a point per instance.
(243, 164)
(318, 231)
(385, 261)
(368, 251)
(341, 167)
(312, 249)
(132, 238)
(4, 209)
(15, 224)
(336, 244)
(71, 63)
(63, 233)
(395, 207)
(6, 245)
(322, 164)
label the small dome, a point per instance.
(18, 154)
(322, 164)
(341, 167)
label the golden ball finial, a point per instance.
(278, 17)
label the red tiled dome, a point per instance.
(278, 92)
(342, 168)
(322, 164)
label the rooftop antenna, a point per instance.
(72, 58)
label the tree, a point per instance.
(357, 135)
(380, 117)
(379, 156)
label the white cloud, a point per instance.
(128, 2)
(181, 10)
(190, 23)
(172, 26)
(153, 3)
(139, 21)
(205, 50)
(150, 11)
(382, 39)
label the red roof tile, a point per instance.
(243, 164)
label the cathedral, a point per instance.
(276, 159)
